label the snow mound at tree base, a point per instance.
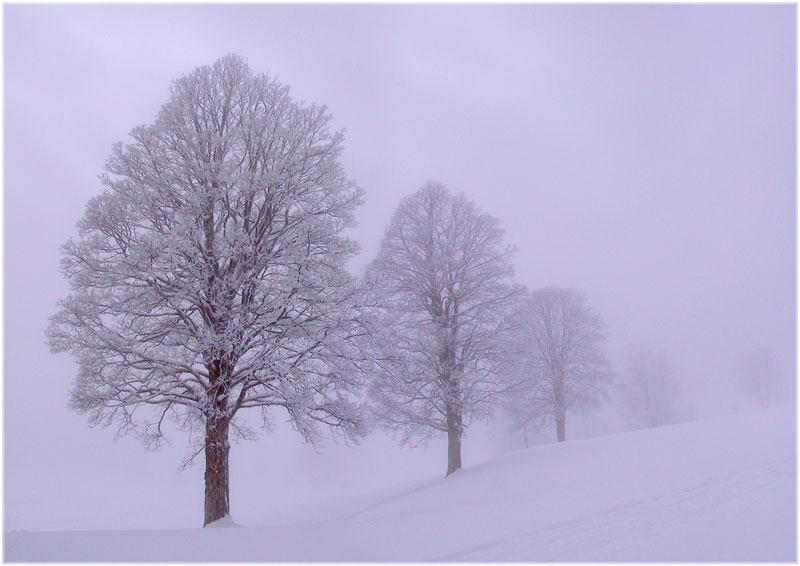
(225, 522)
(717, 490)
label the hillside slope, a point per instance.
(722, 489)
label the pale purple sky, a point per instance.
(644, 154)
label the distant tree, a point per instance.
(652, 391)
(560, 360)
(210, 276)
(758, 378)
(440, 290)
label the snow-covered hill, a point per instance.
(721, 489)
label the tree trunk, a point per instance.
(217, 479)
(453, 441)
(561, 435)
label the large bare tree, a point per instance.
(560, 363)
(209, 276)
(440, 287)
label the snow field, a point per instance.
(716, 490)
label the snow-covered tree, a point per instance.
(560, 361)
(652, 392)
(440, 287)
(758, 378)
(209, 276)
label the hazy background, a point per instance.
(642, 154)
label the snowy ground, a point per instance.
(715, 490)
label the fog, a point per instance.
(644, 155)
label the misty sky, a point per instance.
(642, 154)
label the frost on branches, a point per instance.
(561, 362)
(209, 276)
(440, 291)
